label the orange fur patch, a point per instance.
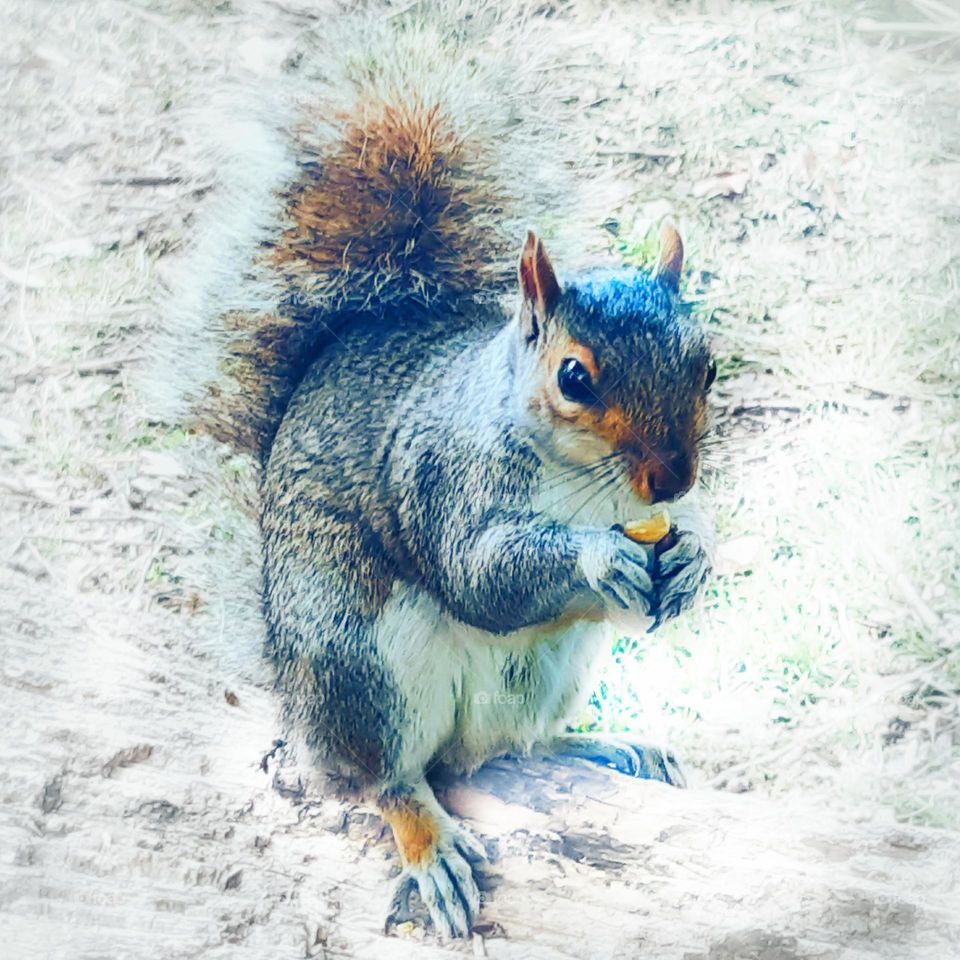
(415, 830)
(390, 195)
(612, 425)
(639, 480)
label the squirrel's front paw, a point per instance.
(680, 573)
(618, 572)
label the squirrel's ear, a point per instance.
(670, 262)
(538, 282)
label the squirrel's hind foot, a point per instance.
(442, 895)
(631, 759)
(437, 887)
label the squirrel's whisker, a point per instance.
(567, 496)
(581, 469)
(598, 483)
(592, 481)
(604, 491)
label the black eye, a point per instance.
(575, 383)
(711, 375)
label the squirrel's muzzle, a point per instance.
(658, 476)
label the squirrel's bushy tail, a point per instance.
(405, 166)
(400, 204)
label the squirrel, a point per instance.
(445, 456)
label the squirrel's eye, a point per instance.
(711, 375)
(575, 383)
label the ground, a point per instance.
(810, 153)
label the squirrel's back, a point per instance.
(400, 172)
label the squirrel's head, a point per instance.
(616, 369)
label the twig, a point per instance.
(19, 278)
(655, 153)
(85, 368)
(865, 25)
(139, 181)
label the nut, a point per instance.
(648, 531)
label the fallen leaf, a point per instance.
(126, 758)
(726, 184)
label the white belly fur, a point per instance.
(461, 708)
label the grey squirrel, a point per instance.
(444, 465)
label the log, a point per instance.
(590, 863)
(146, 813)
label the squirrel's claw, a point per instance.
(469, 846)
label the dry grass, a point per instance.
(812, 163)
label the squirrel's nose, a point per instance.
(666, 475)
